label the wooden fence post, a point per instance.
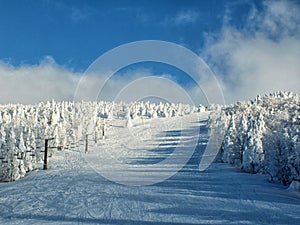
(86, 143)
(46, 153)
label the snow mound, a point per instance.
(294, 186)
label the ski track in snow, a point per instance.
(71, 192)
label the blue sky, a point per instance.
(75, 33)
(241, 40)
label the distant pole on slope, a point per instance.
(46, 153)
(103, 129)
(86, 143)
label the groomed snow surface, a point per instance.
(72, 190)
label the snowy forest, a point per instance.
(24, 128)
(262, 136)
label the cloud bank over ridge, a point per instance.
(261, 57)
(35, 83)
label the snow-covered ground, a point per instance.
(72, 190)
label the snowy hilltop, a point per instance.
(24, 128)
(262, 136)
(162, 183)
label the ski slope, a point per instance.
(74, 191)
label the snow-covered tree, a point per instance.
(267, 139)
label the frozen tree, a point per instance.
(15, 173)
(62, 136)
(6, 118)
(8, 167)
(253, 156)
(267, 140)
(22, 169)
(231, 149)
(2, 136)
(154, 113)
(129, 122)
(21, 146)
(241, 139)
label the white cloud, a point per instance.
(134, 86)
(74, 13)
(261, 58)
(182, 18)
(47, 80)
(281, 18)
(185, 17)
(79, 14)
(35, 83)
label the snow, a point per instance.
(294, 187)
(65, 123)
(74, 191)
(262, 136)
